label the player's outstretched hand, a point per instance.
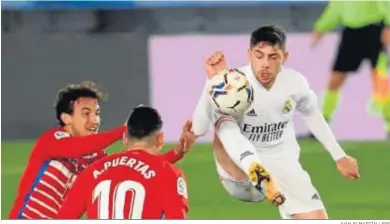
(316, 38)
(348, 167)
(186, 140)
(215, 63)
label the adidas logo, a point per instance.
(251, 113)
(315, 197)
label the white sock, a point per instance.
(240, 149)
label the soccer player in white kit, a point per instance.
(264, 138)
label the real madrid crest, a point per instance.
(287, 106)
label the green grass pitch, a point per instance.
(366, 198)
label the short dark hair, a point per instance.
(271, 34)
(143, 122)
(68, 95)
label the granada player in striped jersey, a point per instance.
(134, 184)
(61, 153)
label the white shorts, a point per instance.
(293, 181)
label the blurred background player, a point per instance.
(61, 153)
(266, 132)
(365, 35)
(136, 183)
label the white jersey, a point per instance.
(268, 124)
(266, 135)
(269, 121)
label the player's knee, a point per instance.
(242, 190)
(336, 81)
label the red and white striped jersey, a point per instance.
(54, 163)
(48, 191)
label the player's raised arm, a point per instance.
(187, 138)
(202, 115)
(62, 145)
(172, 156)
(75, 204)
(313, 118)
(175, 193)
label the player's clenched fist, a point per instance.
(215, 63)
(187, 139)
(348, 167)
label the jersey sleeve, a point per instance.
(85, 161)
(201, 118)
(330, 18)
(175, 193)
(61, 145)
(218, 119)
(305, 97)
(171, 156)
(384, 6)
(314, 120)
(75, 202)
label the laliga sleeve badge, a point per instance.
(61, 134)
(182, 187)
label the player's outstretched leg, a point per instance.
(243, 154)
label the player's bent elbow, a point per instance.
(200, 131)
(200, 125)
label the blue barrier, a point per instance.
(47, 5)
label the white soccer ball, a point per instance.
(231, 92)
